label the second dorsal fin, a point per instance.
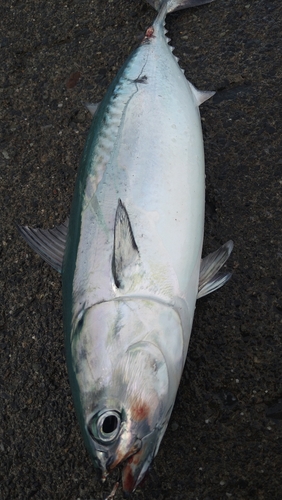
(201, 95)
(125, 253)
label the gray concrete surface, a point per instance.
(225, 436)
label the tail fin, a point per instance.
(173, 5)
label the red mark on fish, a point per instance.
(140, 411)
(149, 34)
(128, 480)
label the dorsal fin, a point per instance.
(125, 254)
(48, 243)
(201, 95)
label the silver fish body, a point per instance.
(132, 259)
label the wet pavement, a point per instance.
(225, 435)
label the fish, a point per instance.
(130, 255)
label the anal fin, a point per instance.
(210, 276)
(48, 243)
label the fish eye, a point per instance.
(105, 426)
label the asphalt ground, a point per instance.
(224, 439)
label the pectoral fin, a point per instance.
(125, 254)
(210, 278)
(48, 243)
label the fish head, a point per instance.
(129, 427)
(126, 392)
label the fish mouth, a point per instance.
(136, 466)
(107, 460)
(134, 463)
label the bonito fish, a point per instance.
(130, 255)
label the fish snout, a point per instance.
(137, 465)
(122, 453)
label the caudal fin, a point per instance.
(173, 5)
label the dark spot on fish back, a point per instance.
(141, 79)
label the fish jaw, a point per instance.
(134, 455)
(107, 459)
(136, 467)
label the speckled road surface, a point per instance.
(225, 435)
